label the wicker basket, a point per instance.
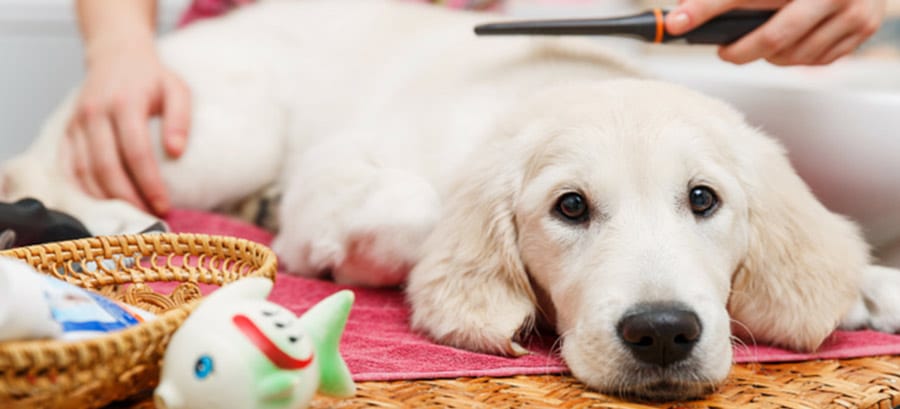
(93, 373)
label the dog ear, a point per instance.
(470, 288)
(799, 275)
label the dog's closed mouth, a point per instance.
(663, 390)
(678, 382)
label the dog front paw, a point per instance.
(879, 305)
(355, 263)
(471, 336)
(882, 298)
(472, 315)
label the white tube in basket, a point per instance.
(24, 312)
(35, 305)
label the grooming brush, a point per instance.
(648, 26)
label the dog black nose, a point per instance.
(660, 334)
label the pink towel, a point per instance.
(379, 346)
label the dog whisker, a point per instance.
(556, 348)
(557, 344)
(746, 329)
(741, 342)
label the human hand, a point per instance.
(802, 32)
(110, 145)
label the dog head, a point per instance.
(640, 219)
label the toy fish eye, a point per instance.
(267, 313)
(203, 367)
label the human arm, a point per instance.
(126, 85)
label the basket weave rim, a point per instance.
(204, 259)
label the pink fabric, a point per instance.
(201, 9)
(378, 344)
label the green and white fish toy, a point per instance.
(237, 350)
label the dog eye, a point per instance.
(703, 201)
(573, 207)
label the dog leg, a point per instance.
(361, 221)
(878, 306)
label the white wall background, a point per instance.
(40, 61)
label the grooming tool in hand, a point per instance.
(649, 26)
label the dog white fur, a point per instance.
(401, 140)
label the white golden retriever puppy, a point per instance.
(522, 180)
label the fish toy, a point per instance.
(237, 350)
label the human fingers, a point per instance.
(691, 13)
(176, 115)
(79, 160)
(106, 162)
(846, 46)
(137, 156)
(789, 26)
(855, 22)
